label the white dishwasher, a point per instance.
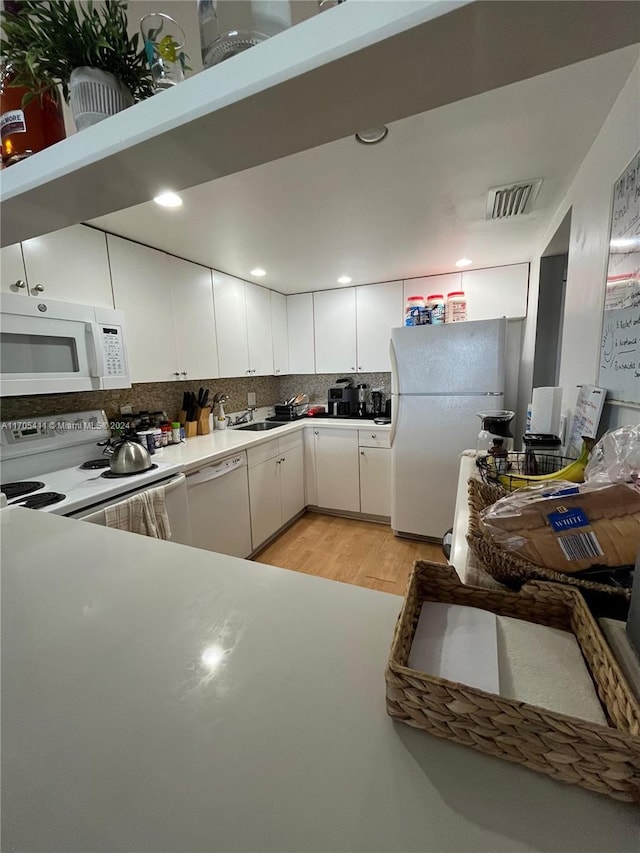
(218, 496)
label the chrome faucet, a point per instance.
(245, 417)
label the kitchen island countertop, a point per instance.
(157, 697)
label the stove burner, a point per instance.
(14, 490)
(96, 463)
(109, 475)
(40, 500)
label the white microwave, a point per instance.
(49, 347)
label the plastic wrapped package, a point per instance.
(568, 527)
(616, 457)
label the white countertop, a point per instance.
(116, 737)
(220, 443)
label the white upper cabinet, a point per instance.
(70, 265)
(168, 309)
(142, 288)
(300, 333)
(334, 314)
(194, 320)
(492, 292)
(497, 292)
(13, 278)
(279, 333)
(379, 308)
(231, 324)
(259, 336)
(243, 322)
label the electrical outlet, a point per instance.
(251, 398)
(127, 409)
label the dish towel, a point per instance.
(145, 513)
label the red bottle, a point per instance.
(26, 130)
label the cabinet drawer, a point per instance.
(373, 438)
(256, 455)
(290, 441)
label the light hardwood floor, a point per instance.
(348, 550)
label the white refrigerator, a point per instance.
(442, 376)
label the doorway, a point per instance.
(551, 299)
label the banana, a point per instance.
(573, 472)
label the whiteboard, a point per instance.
(620, 347)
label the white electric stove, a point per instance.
(42, 458)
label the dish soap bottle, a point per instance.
(221, 421)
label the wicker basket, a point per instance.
(600, 758)
(510, 568)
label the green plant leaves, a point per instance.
(45, 41)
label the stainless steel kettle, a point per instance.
(128, 457)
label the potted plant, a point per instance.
(86, 50)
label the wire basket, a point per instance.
(500, 469)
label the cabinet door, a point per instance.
(264, 500)
(70, 265)
(337, 476)
(496, 292)
(428, 284)
(378, 310)
(194, 320)
(334, 313)
(300, 333)
(143, 282)
(231, 324)
(260, 339)
(279, 333)
(292, 483)
(375, 480)
(13, 278)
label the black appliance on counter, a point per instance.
(342, 402)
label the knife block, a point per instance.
(203, 421)
(190, 429)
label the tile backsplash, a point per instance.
(317, 385)
(167, 396)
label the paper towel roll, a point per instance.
(545, 410)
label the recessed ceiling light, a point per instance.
(168, 199)
(344, 279)
(463, 262)
(372, 135)
(258, 271)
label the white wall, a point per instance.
(589, 198)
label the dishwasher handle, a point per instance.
(213, 472)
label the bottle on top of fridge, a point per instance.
(437, 306)
(456, 309)
(415, 312)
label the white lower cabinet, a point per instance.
(337, 477)
(276, 485)
(375, 472)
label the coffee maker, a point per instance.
(342, 402)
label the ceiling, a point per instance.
(410, 206)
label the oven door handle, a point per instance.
(94, 333)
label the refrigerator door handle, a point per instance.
(394, 390)
(394, 369)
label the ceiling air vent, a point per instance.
(512, 199)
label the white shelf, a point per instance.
(358, 65)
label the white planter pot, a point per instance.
(96, 94)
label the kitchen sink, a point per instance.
(258, 427)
